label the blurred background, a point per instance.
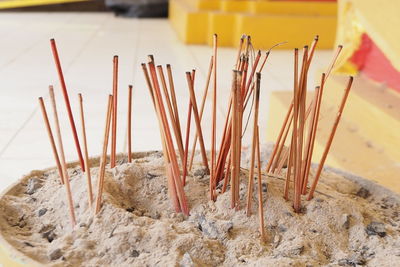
(179, 32)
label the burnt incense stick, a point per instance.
(214, 114)
(66, 99)
(253, 147)
(63, 162)
(203, 102)
(279, 161)
(175, 128)
(239, 51)
(170, 177)
(86, 153)
(312, 50)
(168, 138)
(233, 149)
(260, 194)
(173, 98)
(296, 204)
(335, 57)
(331, 136)
(51, 138)
(278, 141)
(103, 160)
(197, 121)
(114, 113)
(188, 122)
(313, 134)
(129, 134)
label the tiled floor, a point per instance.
(87, 43)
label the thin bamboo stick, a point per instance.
(331, 136)
(168, 139)
(67, 103)
(63, 162)
(260, 194)
(188, 122)
(203, 102)
(168, 167)
(214, 116)
(130, 123)
(115, 113)
(86, 153)
(173, 98)
(197, 121)
(51, 138)
(253, 147)
(175, 128)
(103, 161)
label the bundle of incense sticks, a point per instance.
(225, 163)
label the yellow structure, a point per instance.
(380, 20)
(268, 22)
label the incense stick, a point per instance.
(66, 99)
(168, 138)
(203, 102)
(170, 177)
(260, 194)
(214, 114)
(130, 123)
(114, 113)
(188, 122)
(331, 136)
(63, 162)
(253, 147)
(173, 98)
(197, 121)
(86, 153)
(51, 138)
(103, 161)
(175, 128)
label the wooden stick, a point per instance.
(278, 141)
(214, 116)
(203, 102)
(103, 161)
(279, 161)
(239, 51)
(130, 123)
(67, 103)
(312, 50)
(296, 106)
(175, 128)
(335, 57)
(168, 139)
(313, 133)
(233, 149)
(289, 169)
(253, 147)
(63, 162)
(168, 167)
(260, 194)
(115, 113)
(188, 122)
(86, 153)
(329, 143)
(51, 138)
(173, 97)
(197, 121)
